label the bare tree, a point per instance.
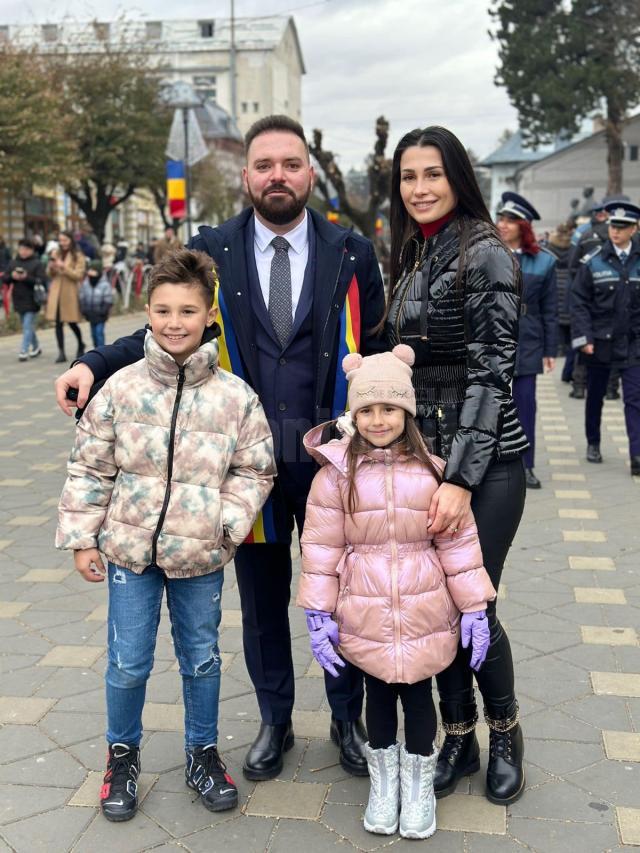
(379, 173)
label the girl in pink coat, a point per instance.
(379, 587)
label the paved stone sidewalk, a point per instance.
(571, 601)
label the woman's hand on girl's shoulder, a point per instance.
(449, 507)
(89, 563)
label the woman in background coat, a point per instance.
(66, 268)
(538, 334)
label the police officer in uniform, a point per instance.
(605, 325)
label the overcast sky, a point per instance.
(417, 62)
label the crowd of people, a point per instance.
(68, 278)
(277, 387)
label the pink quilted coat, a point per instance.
(395, 591)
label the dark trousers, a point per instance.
(569, 362)
(524, 396)
(264, 581)
(75, 328)
(497, 505)
(597, 381)
(382, 714)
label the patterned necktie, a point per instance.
(280, 309)
(623, 258)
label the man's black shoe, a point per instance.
(612, 395)
(593, 453)
(532, 482)
(119, 792)
(264, 759)
(350, 736)
(635, 466)
(206, 773)
(577, 393)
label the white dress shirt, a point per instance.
(626, 249)
(298, 239)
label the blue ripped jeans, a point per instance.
(134, 614)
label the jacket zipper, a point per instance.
(167, 491)
(412, 275)
(395, 596)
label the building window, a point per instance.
(206, 29)
(256, 107)
(50, 32)
(101, 31)
(633, 152)
(153, 30)
(244, 106)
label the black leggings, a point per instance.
(382, 714)
(75, 328)
(497, 505)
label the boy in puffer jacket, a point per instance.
(383, 590)
(172, 462)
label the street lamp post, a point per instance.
(181, 96)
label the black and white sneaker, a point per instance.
(207, 774)
(34, 353)
(119, 793)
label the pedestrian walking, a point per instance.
(96, 299)
(605, 325)
(168, 243)
(26, 277)
(538, 330)
(455, 301)
(166, 490)
(559, 245)
(296, 294)
(367, 516)
(66, 268)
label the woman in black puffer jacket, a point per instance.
(455, 300)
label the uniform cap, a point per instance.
(623, 212)
(513, 204)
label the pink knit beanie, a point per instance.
(381, 378)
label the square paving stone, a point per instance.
(10, 609)
(629, 825)
(599, 595)
(560, 448)
(231, 619)
(567, 512)
(589, 564)
(302, 800)
(573, 494)
(58, 765)
(314, 670)
(88, 794)
(584, 536)
(621, 746)
(20, 801)
(463, 813)
(162, 717)
(76, 656)
(596, 635)
(311, 723)
(28, 520)
(51, 832)
(240, 834)
(44, 576)
(24, 711)
(98, 614)
(4, 543)
(137, 835)
(561, 836)
(561, 462)
(616, 684)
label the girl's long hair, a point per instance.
(470, 207)
(410, 443)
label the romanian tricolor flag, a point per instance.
(176, 189)
(349, 341)
(229, 359)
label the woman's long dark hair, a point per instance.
(73, 246)
(410, 443)
(470, 207)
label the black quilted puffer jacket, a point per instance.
(464, 339)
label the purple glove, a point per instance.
(323, 632)
(474, 628)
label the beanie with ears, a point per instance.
(381, 378)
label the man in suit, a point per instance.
(296, 294)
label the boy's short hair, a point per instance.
(276, 122)
(27, 242)
(185, 266)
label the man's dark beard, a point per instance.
(279, 210)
